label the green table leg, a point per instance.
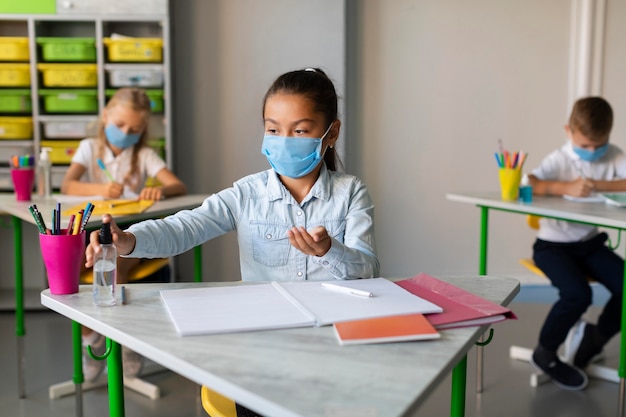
(197, 263)
(459, 373)
(20, 330)
(622, 355)
(116, 380)
(78, 378)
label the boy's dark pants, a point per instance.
(568, 265)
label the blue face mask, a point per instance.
(590, 156)
(293, 157)
(118, 138)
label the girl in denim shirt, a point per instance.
(300, 220)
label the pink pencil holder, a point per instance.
(23, 181)
(63, 256)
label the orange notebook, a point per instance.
(385, 329)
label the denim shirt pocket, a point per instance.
(336, 229)
(270, 244)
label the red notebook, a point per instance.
(385, 329)
(460, 308)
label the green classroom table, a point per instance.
(598, 214)
(18, 210)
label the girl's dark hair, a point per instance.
(314, 84)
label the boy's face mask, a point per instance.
(590, 156)
(118, 138)
(293, 157)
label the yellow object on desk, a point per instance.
(113, 207)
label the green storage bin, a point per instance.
(15, 100)
(70, 101)
(67, 49)
(155, 96)
(28, 6)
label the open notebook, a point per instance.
(226, 309)
(112, 207)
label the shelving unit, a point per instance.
(69, 85)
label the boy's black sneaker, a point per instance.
(590, 345)
(562, 374)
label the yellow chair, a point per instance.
(524, 354)
(216, 405)
(139, 272)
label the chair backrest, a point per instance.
(216, 405)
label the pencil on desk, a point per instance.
(123, 203)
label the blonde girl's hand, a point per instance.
(151, 193)
(315, 242)
(125, 242)
(113, 190)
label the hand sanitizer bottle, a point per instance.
(44, 175)
(105, 269)
(525, 190)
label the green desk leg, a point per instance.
(459, 373)
(197, 263)
(622, 355)
(77, 347)
(116, 380)
(20, 330)
(482, 270)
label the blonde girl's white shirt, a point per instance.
(564, 165)
(150, 163)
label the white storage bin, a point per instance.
(8, 149)
(69, 129)
(133, 76)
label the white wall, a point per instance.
(226, 55)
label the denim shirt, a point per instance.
(261, 210)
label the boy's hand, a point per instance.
(316, 242)
(151, 193)
(113, 190)
(125, 242)
(580, 187)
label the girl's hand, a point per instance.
(113, 190)
(151, 193)
(316, 242)
(580, 187)
(125, 242)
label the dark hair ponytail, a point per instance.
(314, 84)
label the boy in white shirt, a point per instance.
(570, 252)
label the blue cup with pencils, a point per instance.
(510, 173)
(23, 176)
(62, 249)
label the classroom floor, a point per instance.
(506, 382)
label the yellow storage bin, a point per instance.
(134, 49)
(62, 150)
(14, 75)
(13, 48)
(16, 127)
(69, 75)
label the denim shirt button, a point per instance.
(299, 213)
(299, 273)
(268, 236)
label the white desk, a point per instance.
(598, 214)
(19, 212)
(284, 373)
